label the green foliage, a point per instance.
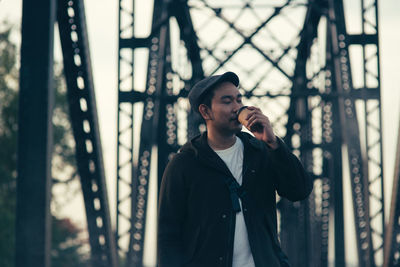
(67, 243)
(64, 153)
(8, 107)
(8, 144)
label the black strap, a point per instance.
(236, 192)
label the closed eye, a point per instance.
(230, 99)
(226, 99)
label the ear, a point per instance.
(205, 112)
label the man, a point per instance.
(217, 198)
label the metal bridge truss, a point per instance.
(33, 244)
(156, 99)
(314, 74)
(346, 104)
(83, 113)
(317, 80)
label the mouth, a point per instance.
(235, 121)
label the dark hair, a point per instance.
(206, 99)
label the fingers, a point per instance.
(260, 126)
(256, 116)
(253, 110)
(256, 120)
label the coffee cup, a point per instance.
(242, 114)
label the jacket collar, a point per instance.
(199, 147)
(250, 140)
(200, 141)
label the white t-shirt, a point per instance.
(233, 158)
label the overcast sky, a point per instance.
(102, 19)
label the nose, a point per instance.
(238, 105)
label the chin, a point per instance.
(233, 128)
(238, 129)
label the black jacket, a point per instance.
(196, 219)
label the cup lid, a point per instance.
(240, 110)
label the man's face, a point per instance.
(224, 105)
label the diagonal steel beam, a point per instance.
(83, 113)
(247, 40)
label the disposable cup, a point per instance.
(242, 114)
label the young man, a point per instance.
(217, 199)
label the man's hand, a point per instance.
(260, 126)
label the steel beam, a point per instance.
(368, 41)
(180, 9)
(302, 253)
(35, 135)
(153, 114)
(125, 122)
(84, 120)
(392, 241)
(332, 133)
(159, 124)
(341, 76)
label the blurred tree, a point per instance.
(68, 247)
(8, 144)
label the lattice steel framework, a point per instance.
(83, 113)
(38, 34)
(316, 79)
(156, 96)
(364, 143)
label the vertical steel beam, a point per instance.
(335, 139)
(368, 41)
(350, 131)
(33, 220)
(300, 125)
(167, 134)
(392, 240)
(125, 123)
(152, 110)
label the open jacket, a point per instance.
(196, 221)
